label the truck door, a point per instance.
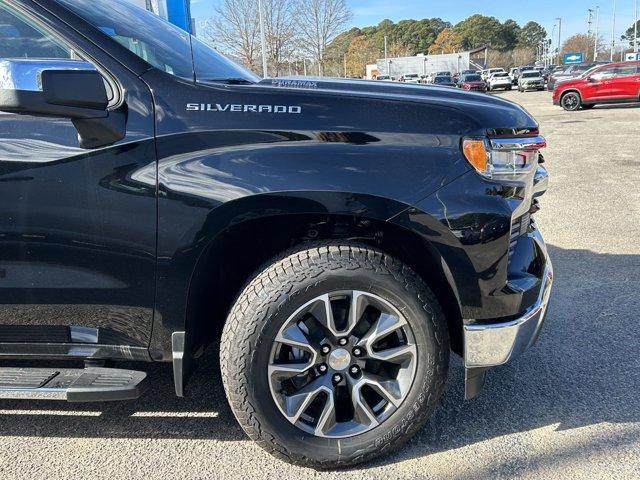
(77, 222)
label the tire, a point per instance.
(266, 306)
(571, 101)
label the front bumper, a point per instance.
(489, 344)
(532, 86)
(493, 344)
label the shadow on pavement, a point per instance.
(584, 370)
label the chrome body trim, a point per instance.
(490, 345)
(26, 74)
(540, 181)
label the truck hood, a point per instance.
(487, 110)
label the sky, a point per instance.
(572, 12)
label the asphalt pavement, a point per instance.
(568, 409)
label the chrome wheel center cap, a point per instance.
(339, 359)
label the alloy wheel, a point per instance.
(342, 364)
(570, 101)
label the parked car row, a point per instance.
(574, 87)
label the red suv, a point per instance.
(610, 83)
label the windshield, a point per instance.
(157, 42)
(442, 79)
(500, 75)
(472, 78)
(530, 74)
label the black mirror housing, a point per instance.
(64, 93)
(75, 88)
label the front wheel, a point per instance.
(570, 101)
(333, 355)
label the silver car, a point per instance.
(530, 80)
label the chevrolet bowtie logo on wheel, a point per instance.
(240, 108)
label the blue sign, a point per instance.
(179, 13)
(573, 57)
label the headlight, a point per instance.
(508, 158)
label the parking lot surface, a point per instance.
(568, 408)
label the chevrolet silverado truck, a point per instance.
(333, 240)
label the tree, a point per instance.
(279, 33)
(419, 35)
(510, 33)
(361, 52)
(531, 35)
(235, 30)
(522, 56)
(319, 22)
(448, 41)
(579, 43)
(628, 34)
(478, 30)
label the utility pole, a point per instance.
(635, 26)
(304, 66)
(559, 36)
(613, 31)
(262, 39)
(595, 41)
(345, 65)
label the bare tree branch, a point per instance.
(319, 22)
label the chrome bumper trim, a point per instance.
(490, 345)
(540, 181)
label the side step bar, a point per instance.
(91, 384)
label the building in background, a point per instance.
(177, 12)
(426, 64)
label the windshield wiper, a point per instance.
(229, 81)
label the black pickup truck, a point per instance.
(337, 239)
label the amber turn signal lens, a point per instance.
(476, 153)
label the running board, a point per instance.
(91, 384)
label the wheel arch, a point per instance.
(570, 90)
(218, 277)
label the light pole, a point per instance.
(552, 53)
(613, 30)
(595, 41)
(559, 36)
(262, 39)
(385, 48)
(635, 26)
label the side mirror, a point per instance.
(62, 88)
(592, 80)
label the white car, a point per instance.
(384, 78)
(500, 80)
(411, 78)
(486, 74)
